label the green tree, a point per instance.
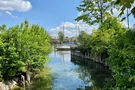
(125, 5)
(61, 36)
(24, 49)
(93, 11)
(113, 39)
(84, 39)
(122, 60)
(103, 36)
(107, 41)
(3, 28)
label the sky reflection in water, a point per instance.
(73, 75)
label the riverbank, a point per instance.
(42, 80)
(97, 58)
(9, 85)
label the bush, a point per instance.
(17, 88)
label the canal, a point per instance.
(73, 73)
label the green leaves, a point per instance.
(61, 36)
(126, 4)
(111, 38)
(93, 11)
(131, 78)
(118, 44)
(22, 44)
(122, 60)
(133, 12)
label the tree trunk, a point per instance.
(28, 72)
(128, 19)
(100, 6)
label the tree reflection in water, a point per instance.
(93, 74)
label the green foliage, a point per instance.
(17, 88)
(126, 4)
(122, 61)
(103, 37)
(84, 42)
(42, 81)
(132, 78)
(84, 39)
(93, 11)
(3, 28)
(117, 43)
(23, 44)
(111, 39)
(61, 36)
(98, 42)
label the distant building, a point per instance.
(55, 38)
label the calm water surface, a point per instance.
(76, 73)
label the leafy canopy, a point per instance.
(23, 44)
(93, 11)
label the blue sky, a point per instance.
(48, 13)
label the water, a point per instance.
(76, 73)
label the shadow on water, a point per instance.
(91, 72)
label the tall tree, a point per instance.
(61, 36)
(3, 28)
(93, 10)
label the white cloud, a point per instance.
(7, 12)
(17, 5)
(10, 14)
(71, 29)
